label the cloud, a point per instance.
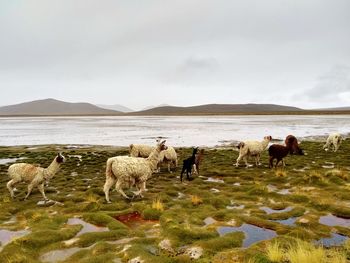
(333, 87)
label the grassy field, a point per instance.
(287, 211)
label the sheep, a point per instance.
(252, 148)
(169, 157)
(188, 164)
(132, 170)
(198, 159)
(33, 175)
(334, 140)
(277, 151)
(293, 145)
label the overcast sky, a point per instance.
(179, 52)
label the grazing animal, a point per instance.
(252, 148)
(188, 164)
(197, 161)
(140, 150)
(33, 175)
(293, 145)
(277, 151)
(333, 141)
(131, 170)
(169, 157)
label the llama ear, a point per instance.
(163, 142)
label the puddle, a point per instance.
(87, 227)
(6, 236)
(252, 233)
(334, 240)
(230, 207)
(331, 220)
(328, 166)
(61, 255)
(214, 180)
(271, 188)
(10, 160)
(283, 192)
(269, 210)
(209, 221)
(134, 220)
(288, 222)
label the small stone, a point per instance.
(165, 244)
(194, 252)
(232, 222)
(136, 260)
(304, 221)
(70, 242)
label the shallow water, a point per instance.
(179, 131)
(331, 220)
(269, 210)
(7, 236)
(334, 240)
(87, 227)
(252, 233)
(10, 160)
(60, 255)
(288, 222)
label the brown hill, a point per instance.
(51, 107)
(219, 109)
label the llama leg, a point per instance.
(30, 188)
(245, 158)
(182, 171)
(119, 188)
(271, 162)
(142, 187)
(238, 160)
(10, 185)
(41, 190)
(169, 167)
(108, 184)
(278, 160)
(195, 169)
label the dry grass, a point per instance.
(280, 173)
(314, 176)
(92, 198)
(275, 252)
(304, 252)
(158, 205)
(339, 173)
(196, 200)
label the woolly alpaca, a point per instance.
(131, 170)
(334, 140)
(188, 164)
(33, 175)
(197, 161)
(140, 150)
(277, 151)
(252, 148)
(293, 145)
(169, 157)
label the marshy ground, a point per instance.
(226, 214)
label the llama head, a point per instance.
(60, 158)
(161, 146)
(195, 150)
(268, 138)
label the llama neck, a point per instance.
(52, 169)
(264, 143)
(153, 159)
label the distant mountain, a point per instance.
(336, 109)
(219, 109)
(152, 106)
(52, 107)
(116, 107)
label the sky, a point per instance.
(183, 52)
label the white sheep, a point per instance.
(252, 148)
(169, 157)
(132, 171)
(334, 140)
(35, 176)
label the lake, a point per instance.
(178, 130)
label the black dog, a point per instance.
(188, 164)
